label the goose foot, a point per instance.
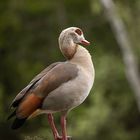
(61, 138)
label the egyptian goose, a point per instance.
(60, 87)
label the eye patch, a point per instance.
(78, 31)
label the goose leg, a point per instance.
(54, 130)
(63, 125)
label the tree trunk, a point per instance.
(121, 35)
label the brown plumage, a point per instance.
(30, 98)
(60, 87)
(30, 104)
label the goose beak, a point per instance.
(85, 42)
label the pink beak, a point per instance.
(85, 42)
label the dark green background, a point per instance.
(29, 31)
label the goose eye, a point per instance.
(78, 31)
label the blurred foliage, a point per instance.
(28, 43)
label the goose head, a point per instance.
(70, 39)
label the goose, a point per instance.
(60, 87)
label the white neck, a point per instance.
(67, 46)
(83, 58)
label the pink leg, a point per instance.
(54, 130)
(63, 125)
